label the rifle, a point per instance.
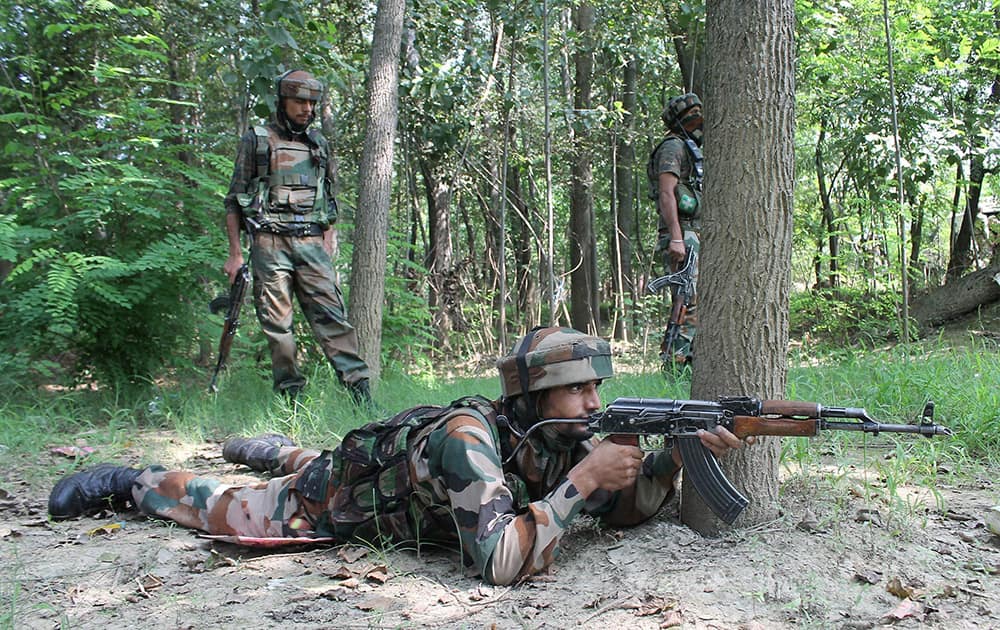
(628, 419)
(681, 283)
(232, 304)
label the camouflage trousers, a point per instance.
(271, 509)
(284, 265)
(683, 347)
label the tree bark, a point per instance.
(833, 279)
(747, 232)
(371, 229)
(439, 250)
(584, 313)
(621, 242)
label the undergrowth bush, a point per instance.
(843, 317)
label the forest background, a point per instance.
(120, 121)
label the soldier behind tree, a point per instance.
(675, 172)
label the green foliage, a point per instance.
(847, 317)
(894, 384)
(104, 214)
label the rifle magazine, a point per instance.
(711, 484)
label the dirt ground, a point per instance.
(831, 560)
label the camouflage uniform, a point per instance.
(429, 475)
(507, 520)
(288, 212)
(673, 156)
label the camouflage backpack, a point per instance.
(369, 497)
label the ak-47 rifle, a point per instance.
(232, 304)
(627, 419)
(681, 283)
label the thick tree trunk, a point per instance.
(371, 227)
(584, 313)
(957, 298)
(747, 235)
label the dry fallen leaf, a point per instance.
(868, 577)
(672, 619)
(869, 516)
(376, 602)
(108, 530)
(808, 523)
(72, 451)
(906, 608)
(902, 591)
(378, 574)
(352, 553)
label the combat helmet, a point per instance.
(298, 84)
(549, 357)
(677, 106)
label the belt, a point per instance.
(303, 229)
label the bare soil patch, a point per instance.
(832, 560)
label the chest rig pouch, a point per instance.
(365, 482)
(290, 183)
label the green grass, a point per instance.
(893, 384)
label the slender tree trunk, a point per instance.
(621, 244)
(439, 250)
(833, 240)
(371, 227)
(689, 46)
(584, 313)
(747, 235)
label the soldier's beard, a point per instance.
(565, 439)
(692, 126)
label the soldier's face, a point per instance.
(692, 119)
(579, 400)
(299, 110)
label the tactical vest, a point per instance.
(373, 461)
(290, 184)
(687, 192)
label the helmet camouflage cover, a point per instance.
(677, 106)
(299, 84)
(549, 357)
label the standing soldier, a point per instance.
(675, 172)
(281, 192)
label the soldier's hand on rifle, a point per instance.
(677, 252)
(720, 442)
(609, 466)
(232, 266)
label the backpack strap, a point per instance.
(262, 156)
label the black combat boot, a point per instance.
(93, 489)
(361, 393)
(260, 453)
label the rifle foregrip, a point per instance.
(712, 486)
(794, 408)
(745, 426)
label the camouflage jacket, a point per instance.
(509, 519)
(673, 156)
(245, 169)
